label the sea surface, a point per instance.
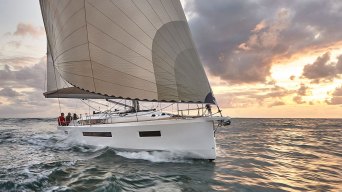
(253, 155)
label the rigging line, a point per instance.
(122, 28)
(91, 63)
(146, 32)
(154, 111)
(98, 103)
(89, 105)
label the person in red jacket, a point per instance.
(61, 120)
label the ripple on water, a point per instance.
(253, 155)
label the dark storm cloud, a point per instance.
(322, 68)
(238, 39)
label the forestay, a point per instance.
(132, 49)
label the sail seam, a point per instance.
(193, 43)
(145, 31)
(127, 48)
(91, 63)
(189, 59)
(114, 83)
(65, 24)
(127, 33)
(127, 60)
(65, 51)
(57, 48)
(164, 85)
(170, 34)
(134, 75)
(108, 81)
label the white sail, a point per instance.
(57, 87)
(133, 49)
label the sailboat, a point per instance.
(137, 51)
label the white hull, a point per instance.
(191, 138)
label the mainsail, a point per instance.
(132, 49)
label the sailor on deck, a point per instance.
(61, 120)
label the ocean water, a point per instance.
(253, 155)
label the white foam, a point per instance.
(153, 156)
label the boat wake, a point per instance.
(154, 156)
(60, 142)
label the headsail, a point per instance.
(134, 49)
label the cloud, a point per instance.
(14, 44)
(276, 103)
(336, 97)
(8, 92)
(30, 76)
(18, 61)
(322, 68)
(339, 64)
(238, 40)
(298, 100)
(24, 29)
(254, 97)
(303, 90)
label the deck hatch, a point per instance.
(97, 134)
(149, 133)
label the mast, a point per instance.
(136, 106)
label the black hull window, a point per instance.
(97, 134)
(149, 134)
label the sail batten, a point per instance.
(134, 49)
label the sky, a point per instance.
(263, 58)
